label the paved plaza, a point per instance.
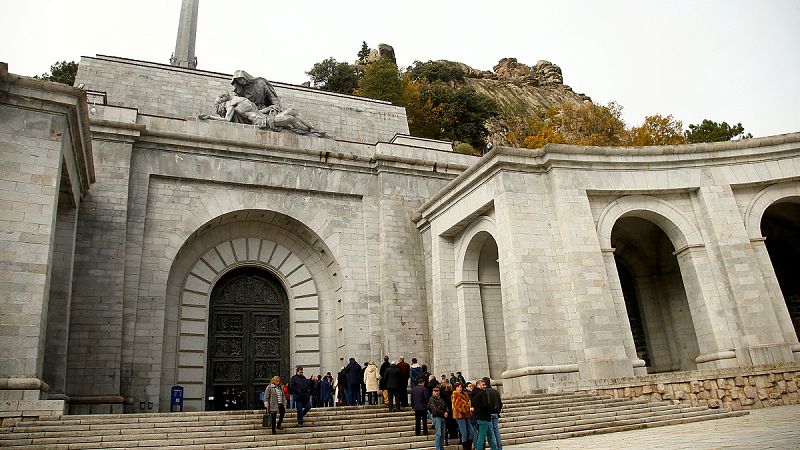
(771, 428)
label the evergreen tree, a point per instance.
(710, 131)
(364, 52)
(62, 72)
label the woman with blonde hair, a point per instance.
(275, 403)
(462, 410)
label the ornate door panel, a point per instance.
(248, 336)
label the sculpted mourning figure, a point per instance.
(256, 89)
(256, 102)
(242, 110)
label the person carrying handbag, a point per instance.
(275, 403)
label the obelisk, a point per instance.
(187, 31)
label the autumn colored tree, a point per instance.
(62, 72)
(332, 76)
(657, 130)
(569, 123)
(710, 131)
(382, 81)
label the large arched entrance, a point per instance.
(655, 297)
(780, 226)
(248, 337)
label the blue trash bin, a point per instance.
(176, 399)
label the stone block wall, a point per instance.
(163, 90)
(95, 334)
(757, 387)
(30, 165)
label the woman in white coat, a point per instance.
(371, 377)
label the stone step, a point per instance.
(618, 426)
(542, 417)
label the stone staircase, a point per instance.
(525, 419)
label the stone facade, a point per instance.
(383, 243)
(552, 214)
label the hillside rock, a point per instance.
(520, 90)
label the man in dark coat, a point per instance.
(382, 381)
(496, 404)
(483, 407)
(419, 402)
(352, 373)
(405, 369)
(300, 388)
(394, 384)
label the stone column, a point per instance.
(447, 348)
(604, 353)
(775, 295)
(475, 360)
(622, 312)
(187, 32)
(44, 157)
(761, 340)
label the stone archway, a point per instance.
(714, 340)
(301, 266)
(655, 297)
(780, 226)
(479, 292)
(772, 223)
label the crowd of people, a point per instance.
(458, 409)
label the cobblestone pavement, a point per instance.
(770, 428)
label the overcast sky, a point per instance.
(737, 61)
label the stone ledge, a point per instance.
(735, 388)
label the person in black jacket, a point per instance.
(496, 405)
(481, 403)
(300, 387)
(439, 411)
(419, 402)
(382, 381)
(394, 384)
(353, 375)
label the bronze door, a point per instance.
(248, 338)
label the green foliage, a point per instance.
(332, 76)
(62, 72)
(710, 131)
(382, 81)
(446, 71)
(364, 52)
(466, 149)
(440, 111)
(657, 130)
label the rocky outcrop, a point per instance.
(383, 51)
(520, 90)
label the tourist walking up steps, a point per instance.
(300, 388)
(419, 402)
(439, 412)
(405, 369)
(497, 406)
(483, 412)
(462, 410)
(275, 403)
